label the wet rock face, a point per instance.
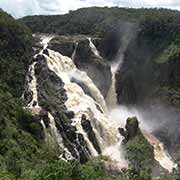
(36, 44)
(86, 125)
(28, 95)
(134, 79)
(63, 44)
(82, 85)
(131, 129)
(97, 68)
(52, 97)
(33, 125)
(126, 88)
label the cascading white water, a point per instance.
(94, 91)
(45, 40)
(111, 98)
(32, 83)
(74, 52)
(93, 48)
(119, 114)
(65, 67)
(115, 151)
(80, 103)
(31, 77)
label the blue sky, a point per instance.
(19, 8)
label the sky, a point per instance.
(20, 8)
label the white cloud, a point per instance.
(19, 8)
(75, 4)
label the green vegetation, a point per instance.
(15, 53)
(96, 20)
(58, 169)
(168, 54)
(19, 150)
(93, 170)
(140, 155)
(21, 146)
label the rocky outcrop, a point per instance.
(131, 129)
(65, 44)
(139, 151)
(86, 125)
(37, 46)
(95, 66)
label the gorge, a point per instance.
(89, 110)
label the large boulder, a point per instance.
(139, 151)
(131, 129)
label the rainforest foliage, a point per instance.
(154, 22)
(15, 53)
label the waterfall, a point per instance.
(64, 67)
(31, 77)
(104, 124)
(74, 52)
(93, 48)
(122, 113)
(111, 98)
(79, 102)
(32, 83)
(45, 40)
